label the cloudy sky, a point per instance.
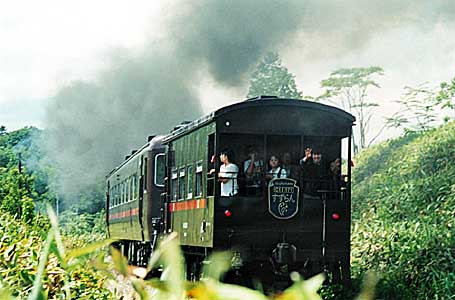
(46, 44)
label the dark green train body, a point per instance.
(273, 227)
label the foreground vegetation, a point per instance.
(39, 264)
(403, 230)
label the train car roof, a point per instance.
(155, 143)
(269, 101)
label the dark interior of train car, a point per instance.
(289, 150)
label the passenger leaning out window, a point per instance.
(228, 174)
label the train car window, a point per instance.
(174, 185)
(145, 173)
(182, 184)
(125, 196)
(190, 182)
(125, 186)
(131, 188)
(198, 186)
(127, 190)
(322, 169)
(160, 171)
(109, 198)
(116, 195)
(287, 149)
(135, 186)
(122, 193)
(251, 181)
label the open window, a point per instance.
(252, 156)
(251, 177)
(321, 170)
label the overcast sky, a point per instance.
(45, 44)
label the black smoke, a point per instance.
(94, 124)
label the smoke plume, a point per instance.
(94, 124)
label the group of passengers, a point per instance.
(311, 167)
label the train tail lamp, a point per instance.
(227, 213)
(335, 216)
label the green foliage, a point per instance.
(23, 175)
(273, 79)
(16, 191)
(446, 95)
(35, 264)
(86, 227)
(349, 87)
(37, 181)
(403, 215)
(417, 109)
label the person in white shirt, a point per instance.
(276, 170)
(228, 175)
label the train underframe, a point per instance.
(272, 272)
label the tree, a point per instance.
(23, 173)
(417, 109)
(348, 87)
(16, 192)
(272, 78)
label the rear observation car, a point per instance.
(298, 222)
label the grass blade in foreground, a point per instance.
(37, 290)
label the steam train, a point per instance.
(273, 227)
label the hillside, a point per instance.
(403, 215)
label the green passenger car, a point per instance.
(273, 224)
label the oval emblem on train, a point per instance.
(283, 198)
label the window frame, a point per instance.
(189, 181)
(181, 193)
(199, 170)
(174, 184)
(156, 168)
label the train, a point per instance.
(272, 225)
